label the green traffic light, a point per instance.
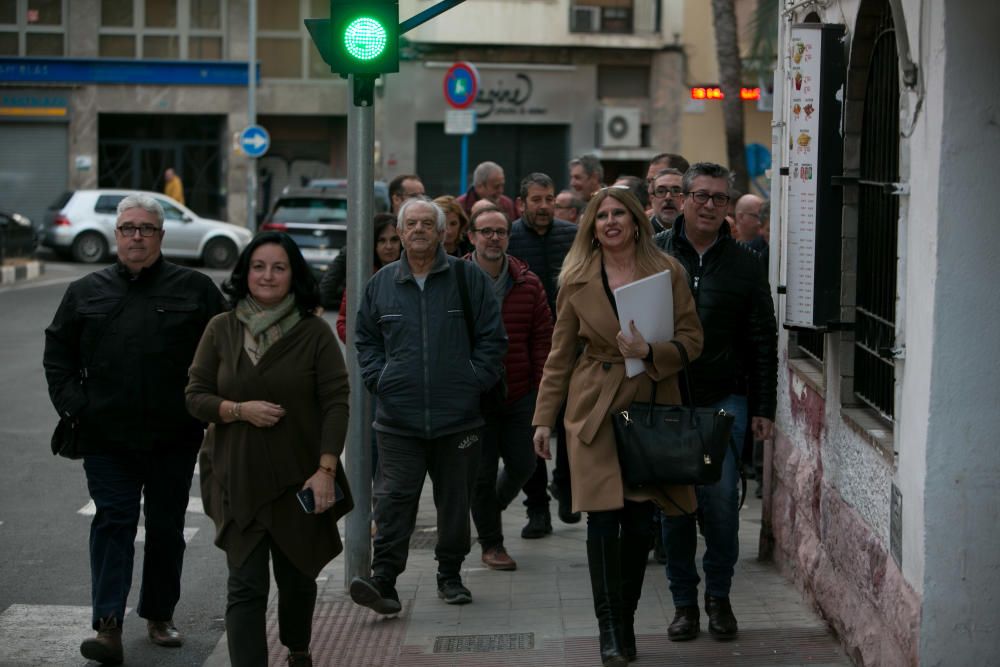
(365, 38)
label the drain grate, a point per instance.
(514, 641)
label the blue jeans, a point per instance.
(718, 510)
(116, 483)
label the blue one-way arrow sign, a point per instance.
(255, 141)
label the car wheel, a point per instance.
(89, 248)
(219, 254)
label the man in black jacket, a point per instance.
(730, 287)
(542, 241)
(116, 360)
(416, 357)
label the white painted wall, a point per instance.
(961, 611)
(530, 22)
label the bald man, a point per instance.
(747, 218)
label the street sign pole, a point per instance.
(464, 178)
(252, 114)
(360, 250)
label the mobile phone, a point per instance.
(308, 500)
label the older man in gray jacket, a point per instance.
(427, 371)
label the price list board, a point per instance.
(815, 102)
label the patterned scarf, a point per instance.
(264, 327)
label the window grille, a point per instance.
(878, 214)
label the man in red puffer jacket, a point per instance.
(507, 434)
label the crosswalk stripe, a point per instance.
(194, 506)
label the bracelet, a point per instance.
(234, 411)
(328, 470)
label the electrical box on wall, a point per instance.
(620, 127)
(815, 110)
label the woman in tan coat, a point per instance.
(613, 247)
(270, 379)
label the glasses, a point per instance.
(702, 197)
(499, 232)
(127, 230)
(664, 191)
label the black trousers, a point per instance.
(507, 436)
(536, 488)
(117, 483)
(404, 462)
(246, 608)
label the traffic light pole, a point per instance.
(360, 250)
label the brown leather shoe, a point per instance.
(163, 633)
(497, 558)
(106, 647)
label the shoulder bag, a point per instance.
(672, 444)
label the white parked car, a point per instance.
(81, 224)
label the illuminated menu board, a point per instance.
(814, 113)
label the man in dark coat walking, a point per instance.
(116, 360)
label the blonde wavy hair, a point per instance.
(649, 259)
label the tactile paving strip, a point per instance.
(346, 634)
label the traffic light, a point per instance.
(360, 38)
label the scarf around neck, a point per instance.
(266, 326)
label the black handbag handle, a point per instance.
(687, 385)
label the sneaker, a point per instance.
(721, 620)
(300, 659)
(375, 593)
(497, 558)
(539, 524)
(106, 647)
(452, 591)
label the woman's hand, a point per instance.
(322, 485)
(261, 413)
(541, 442)
(633, 346)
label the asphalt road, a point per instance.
(44, 572)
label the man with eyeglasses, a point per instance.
(116, 359)
(542, 241)
(731, 291)
(665, 197)
(428, 371)
(507, 434)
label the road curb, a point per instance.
(12, 273)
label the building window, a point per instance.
(878, 216)
(810, 344)
(170, 29)
(610, 16)
(622, 81)
(284, 48)
(32, 28)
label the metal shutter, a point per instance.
(34, 169)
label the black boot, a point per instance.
(604, 561)
(634, 551)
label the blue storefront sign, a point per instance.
(124, 71)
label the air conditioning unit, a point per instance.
(584, 19)
(620, 127)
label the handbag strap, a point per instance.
(463, 293)
(684, 370)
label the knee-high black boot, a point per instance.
(634, 554)
(604, 560)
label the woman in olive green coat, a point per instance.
(270, 379)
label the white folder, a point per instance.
(649, 302)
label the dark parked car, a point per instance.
(316, 218)
(18, 238)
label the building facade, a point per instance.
(883, 489)
(112, 92)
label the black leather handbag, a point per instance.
(671, 444)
